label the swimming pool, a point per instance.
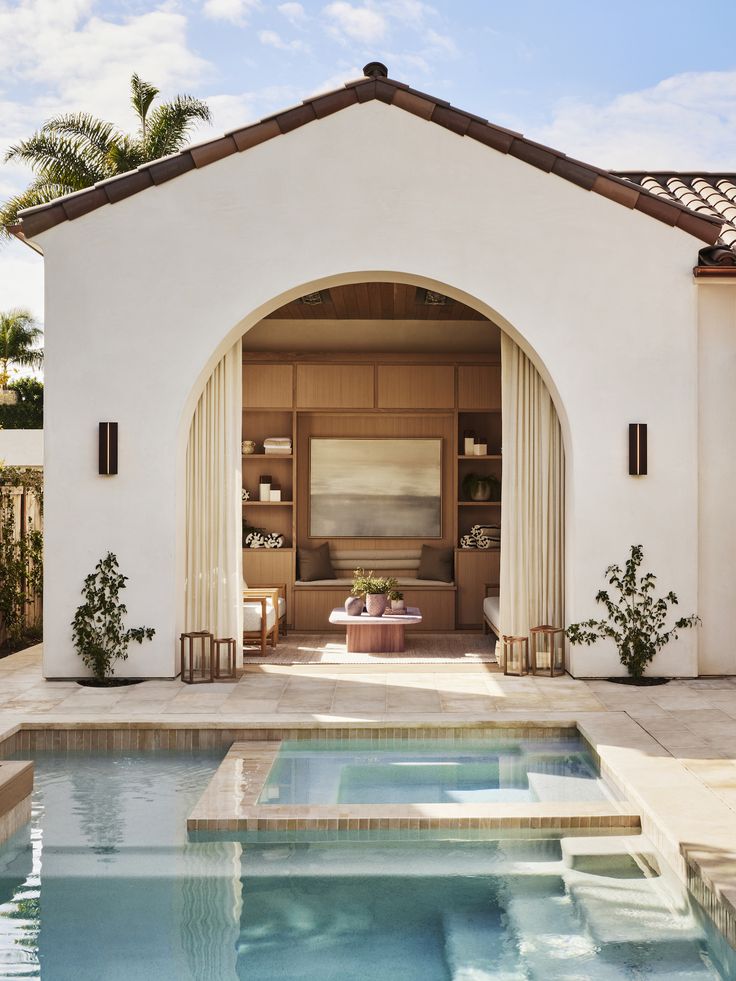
(110, 889)
(432, 771)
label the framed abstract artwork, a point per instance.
(375, 487)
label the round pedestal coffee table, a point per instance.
(376, 635)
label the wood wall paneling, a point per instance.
(268, 386)
(416, 386)
(479, 387)
(473, 569)
(334, 386)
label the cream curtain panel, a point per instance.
(533, 490)
(213, 587)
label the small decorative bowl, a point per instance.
(248, 447)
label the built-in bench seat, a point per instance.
(313, 601)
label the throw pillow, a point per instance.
(435, 563)
(315, 563)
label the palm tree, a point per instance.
(18, 336)
(75, 150)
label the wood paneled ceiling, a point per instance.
(376, 301)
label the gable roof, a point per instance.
(624, 191)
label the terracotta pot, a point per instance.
(354, 606)
(375, 604)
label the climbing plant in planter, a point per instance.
(21, 553)
(636, 619)
(100, 636)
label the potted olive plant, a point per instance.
(635, 619)
(374, 589)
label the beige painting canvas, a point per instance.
(375, 488)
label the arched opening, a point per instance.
(378, 367)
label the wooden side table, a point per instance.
(375, 635)
(515, 655)
(226, 646)
(548, 643)
(197, 662)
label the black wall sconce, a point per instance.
(108, 448)
(637, 449)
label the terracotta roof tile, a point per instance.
(257, 133)
(703, 205)
(76, 205)
(325, 105)
(415, 104)
(706, 195)
(169, 167)
(122, 187)
(207, 153)
(458, 122)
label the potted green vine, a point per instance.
(635, 620)
(97, 628)
(374, 589)
(481, 487)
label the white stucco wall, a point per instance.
(21, 447)
(717, 468)
(150, 292)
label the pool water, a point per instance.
(432, 772)
(108, 888)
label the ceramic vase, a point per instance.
(398, 606)
(354, 606)
(375, 604)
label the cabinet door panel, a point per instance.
(479, 387)
(334, 386)
(268, 386)
(416, 386)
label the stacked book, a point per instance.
(277, 446)
(482, 536)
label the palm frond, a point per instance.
(89, 134)
(41, 191)
(142, 95)
(171, 123)
(59, 159)
(18, 335)
(125, 155)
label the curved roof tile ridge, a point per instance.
(618, 188)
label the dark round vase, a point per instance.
(354, 606)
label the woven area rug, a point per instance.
(426, 649)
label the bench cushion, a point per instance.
(492, 612)
(253, 611)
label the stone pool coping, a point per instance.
(230, 804)
(692, 828)
(16, 787)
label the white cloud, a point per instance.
(274, 40)
(233, 111)
(686, 122)
(440, 42)
(364, 24)
(234, 11)
(294, 13)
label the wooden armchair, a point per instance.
(264, 615)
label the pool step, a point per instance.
(623, 856)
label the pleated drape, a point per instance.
(213, 505)
(533, 491)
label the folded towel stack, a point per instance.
(275, 445)
(482, 536)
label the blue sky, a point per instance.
(623, 85)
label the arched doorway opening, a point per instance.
(375, 365)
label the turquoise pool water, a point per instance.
(108, 888)
(430, 772)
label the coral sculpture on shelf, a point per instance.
(482, 536)
(260, 538)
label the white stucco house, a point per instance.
(620, 290)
